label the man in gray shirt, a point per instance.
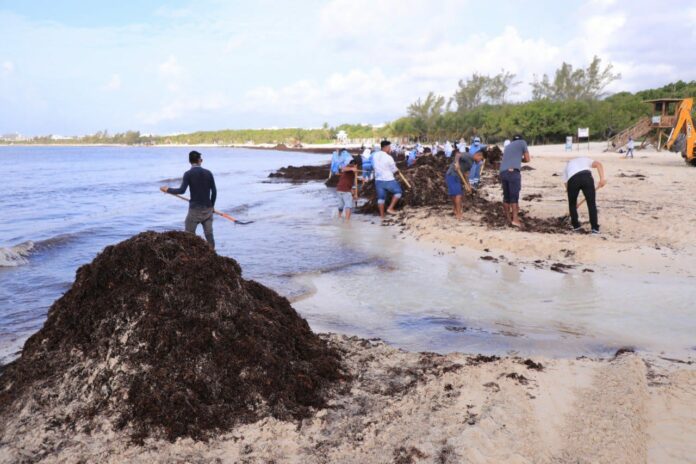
(514, 155)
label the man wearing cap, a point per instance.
(475, 173)
(385, 167)
(203, 195)
(514, 155)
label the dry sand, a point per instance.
(647, 222)
(422, 407)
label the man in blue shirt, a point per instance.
(514, 155)
(203, 195)
(475, 173)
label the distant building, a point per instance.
(342, 136)
(13, 137)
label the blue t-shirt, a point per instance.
(476, 147)
(202, 183)
(512, 155)
(340, 160)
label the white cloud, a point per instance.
(170, 68)
(173, 13)
(8, 68)
(234, 43)
(180, 107)
(114, 83)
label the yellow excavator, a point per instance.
(682, 139)
(671, 115)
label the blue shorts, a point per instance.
(384, 186)
(454, 185)
(512, 184)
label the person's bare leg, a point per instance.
(457, 200)
(515, 207)
(380, 206)
(348, 210)
(506, 209)
(393, 203)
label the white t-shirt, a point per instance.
(577, 165)
(366, 154)
(384, 165)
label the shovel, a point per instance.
(408, 184)
(220, 213)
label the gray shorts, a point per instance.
(345, 200)
(203, 216)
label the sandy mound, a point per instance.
(163, 337)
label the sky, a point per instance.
(75, 67)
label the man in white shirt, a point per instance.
(629, 147)
(385, 167)
(577, 176)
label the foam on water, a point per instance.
(16, 255)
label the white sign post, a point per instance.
(584, 132)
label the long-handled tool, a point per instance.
(219, 213)
(465, 181)
(408, 184)
(585, 199)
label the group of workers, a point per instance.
(462, 173)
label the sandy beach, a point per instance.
(645, 214)
(427, 408)
(409, 407)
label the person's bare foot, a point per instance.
(391, 211)
(517, 224)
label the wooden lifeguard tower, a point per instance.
(664, 117)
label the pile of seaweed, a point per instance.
(299, 174)
(427, 185)
(493, 156)
(162, 337)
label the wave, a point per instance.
(18, 255)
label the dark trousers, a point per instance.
(584, 182)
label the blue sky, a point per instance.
(75, 67)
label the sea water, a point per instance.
(62, 205)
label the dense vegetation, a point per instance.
(572, 98)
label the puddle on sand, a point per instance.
(420, 299)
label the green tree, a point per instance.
(575, 84)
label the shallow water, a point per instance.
(424, 299)
(63, 205)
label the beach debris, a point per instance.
(519, 378)
(532, 365)
(403, 455)
(162, 337)
(561, 268)
(455, 328)
(481, 359)
(624, 350)
(635, 176)
(532, 197)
